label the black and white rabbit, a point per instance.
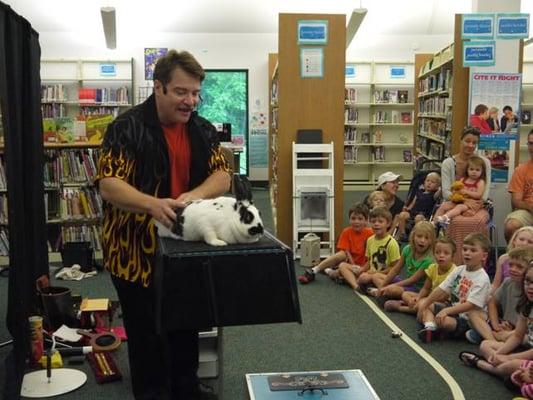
(219, 221)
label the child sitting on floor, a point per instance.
(421, 207)
(502, 305)
(382, 252)
(465, 289)
(351, 245)
(496, 357)
(407, 273)
(522, 237)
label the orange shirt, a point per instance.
(179, 154)
(522, 181)
(355, 243)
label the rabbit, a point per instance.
(219, 221)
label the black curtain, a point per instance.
(20, 101)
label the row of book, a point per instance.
(103, 95)
(434, 105)
(350, 115)
(393, 117)
(433, 127)
(53, 110)
(82, 233)
(79, 204)
(89, 128)
(50, 93)
(441, 80)
(431, 149)
(3, 180)
(3, 209)
(391, 96)
(377, 154)
(70, 166)
(350, 95)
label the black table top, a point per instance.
(179, 248)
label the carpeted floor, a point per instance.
(339, 331)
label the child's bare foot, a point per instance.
(372, 291)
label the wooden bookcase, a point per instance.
(442, 90)
(305, 103)
(378, 121)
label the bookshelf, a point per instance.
(78, 99)
(298, 103)
(526, 105)
(441, 111)
(378, 121)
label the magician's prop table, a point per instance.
(200, 286)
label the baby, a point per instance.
(421, 206)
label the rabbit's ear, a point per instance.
(242, 187)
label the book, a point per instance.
(393, 96)
(95, 127)
(406, 117)
(525, 116)
(379, 153)
(65, 129)
(395, 117)
(49, 130)
(407, 156)
(403, 96)
(365, 137)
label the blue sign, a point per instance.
(477, 26)
(497, 148)
(479, 54)
(109, 69)
(349, 71)
(312, 32)
(513, 26)
(397, 72)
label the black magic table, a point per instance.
(200, 286)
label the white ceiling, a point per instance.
(137, 19)
(394, 17)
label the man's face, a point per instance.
(178, 99)
(508, 113)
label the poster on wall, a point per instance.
(150, 58)
(312, 62)
(494, 102)
(258, 147)
(313, 32)
(477, 26)
(512, 26)
(479, 54)
(500, 150)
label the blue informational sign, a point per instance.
(512, 26)
(313, 32)
(497, 148)
(479, 54)
(397, 72)
(477, 26)
(349, 71)
(108, 69)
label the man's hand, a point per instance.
(441, 316)
(163, 210)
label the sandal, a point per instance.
(470, 359)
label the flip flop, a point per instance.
(470, 359)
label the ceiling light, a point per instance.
(110, 26)
(358, 14)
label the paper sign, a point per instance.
(513, 26)
(479, 53)
(477, 26)
(313, 32)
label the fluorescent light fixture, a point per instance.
(358, 14)
(110, 26)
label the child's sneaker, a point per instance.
(426, 335)
(473, 336)
(372, 291)
(307, 277)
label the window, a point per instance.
(225, 100)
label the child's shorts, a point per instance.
(409, 288)
(461, 324)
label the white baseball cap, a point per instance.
(388, 177)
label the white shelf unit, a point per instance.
(526, 105)
(61, 81)
(313, 194)
(378, 130)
